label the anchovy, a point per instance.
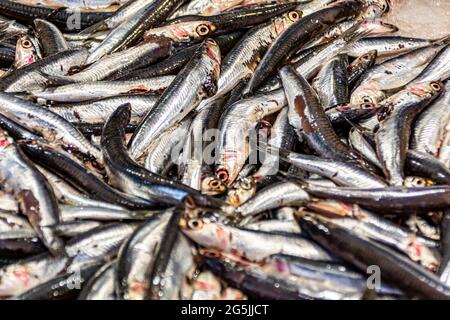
(10, 28)
(194, 168)
(173, 266)
(376, 27)
(196, 81)
(311, 63)
(393, 135)
(26, 52)
(120, 15)
(429, 128)
(71, 229)
(177, 61)
(281, 194)
(86, 91)
(427, 166)
(32, 191)
(437, 69)
(360, 65)
(166, 147)
(386, 45)
(66, 194)
(281, 136)
(248, 243)
(367, 224)
(362, 253)
(288, 278)
(101, 285)
(391, 199)
(132, 58)
(35, 75)
(7, 55)
(51, 126)
(239, 18)
(128, 176)
(66, 286)
(309, 120)
(332, 84)
(236, 125)
(63, 18)
(50, 37)
(85, 4)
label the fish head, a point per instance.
(283, 22)
(367, 94)
(366, 61)
(426, 89)
(375, 8)
(186, 31)
(25, 52)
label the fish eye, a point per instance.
(294, 15)
(214, 183)
(385, 7)
(436, 86)
(189, 202)
(195, 224)
(202, 30)
(367, 99)
(367, 105)
(26, 44)
(246, 185)
(415, 182)
(419, 182)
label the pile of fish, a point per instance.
(209, 149)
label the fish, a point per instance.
(239, 121)
(281, 194)
(298, 35)
(50, 37)
(35, 75)
(414, 280)
(397, 126)
(429, 127)
(32, 192)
